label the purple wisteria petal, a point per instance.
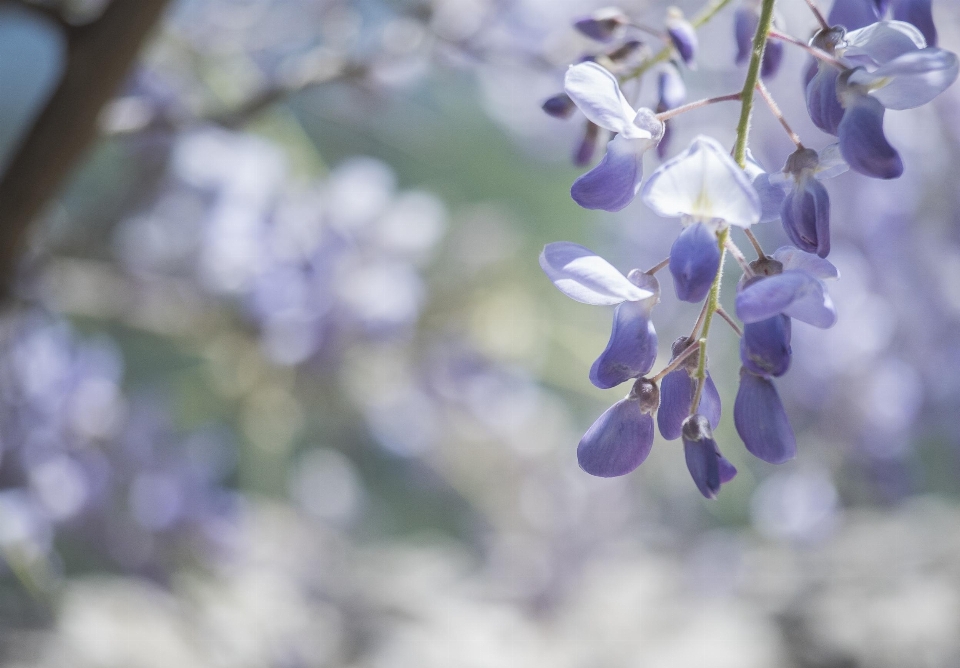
(614, 182)
(793, 293)
(881, 42)
(603, 25)
(823, 105)
(694, 261)
(707, 466)
(772, 59)
(703, 182)
(597, 93)
(683, 37)
(745, 22)
(761, 420)
(710, 406)
(727, 470)
(618, 441)
(862, 142)
(581, 274)
(806, 216)
(792, 258)
(910, 80)
(632, 348)
(853, 14)
(918, 13)
(676, 395)
(771, 194)
(765, 346)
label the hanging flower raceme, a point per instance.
(886, 65)
(614, 182)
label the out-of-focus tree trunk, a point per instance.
(99, 56)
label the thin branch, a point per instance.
(819, 54)
(756, 244)
(676, 362)
(99, 56)
(730, 321)
(738, 256)
(670, 113)
(818, 15)
(658, 266)
(775, 110)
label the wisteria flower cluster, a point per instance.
(862, 68)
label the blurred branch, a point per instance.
(99, 55)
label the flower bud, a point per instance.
(603, 25)
(682, 35)
(708, 468)
(559, 106)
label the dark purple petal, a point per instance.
(772, 59)
(853, 14)
(684, 38)
(918, 13)
(664, 144)
(603, 25)
(708, 468)
(559, 106)
(811, 71)
(583, 155)
(727, 470)
(745, 22)
(761, 421)
(862, 142)
(618, 441)
(694, 261)
(614, 182)
(765, 346)
(709, 406)
(632, 348)
(676, 394)
(823, 105)
(806, 216)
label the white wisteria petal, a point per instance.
(883, 41)
(582, 275)
(705, 183)
(597, 93)
(910, 80)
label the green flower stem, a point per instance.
(713, 301)
(750, 83)
(663, 55)
(740, 155)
